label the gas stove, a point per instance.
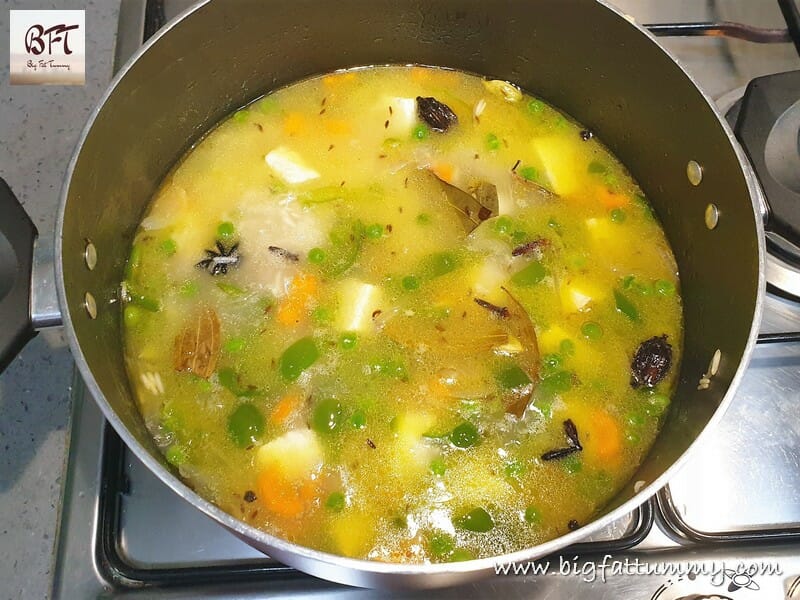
(727, 526)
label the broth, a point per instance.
(404, 314)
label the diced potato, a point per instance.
(488, 278)
(550, 339)
(559, 163)
(289, 166)
(296, 454)
(410, 427)
(412, 453)
(357, 302)
(350, 535)
(600, 230)
(403, 117)
(478, 482)
(578, 294)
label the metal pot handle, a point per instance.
(17, 235)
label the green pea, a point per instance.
(245, 425)
(553, 224)
(229, 289)
(656, 405)
(442, 263)
(567, 347)
(321, 315)
(225, 230)
(557, 382)
(410, 283)
(234, 345)
(420, 132)
(298, 357)
(240, 116)
(618, 215)
(134, 260)
(530, 275)
(551, 363)
(335, 502)
(145, 302)
(529, 173)
(390, 368)
(492, 142)
(597, 168)
(592, 331)
(514, 469)
(465, 435)
(519, 237)
(535, 106)
(477, 520)
(532, 515)
(460, 555)
(632, 437)
(358, 420)
(438, 467)
(168, 247)
(636, 419)
(132, 315)
(423, 219)
(665, 288)
(625, 306)
(189, 289)
(441, 544)
(328, 415)
(374, 231)
(503, 225)
(316, 256)
(176, 455)
(348, 340)
(572, 464)
(513, 377)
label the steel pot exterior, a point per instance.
(580, 55)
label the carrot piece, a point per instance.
(285, 498)
(336, 80)
(610, 200)
(302, 291)
(295, 124)
(285, 407)
(444, 171)
(605, 439)
(338, 127)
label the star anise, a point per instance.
(218, 260)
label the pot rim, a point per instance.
(368, 573)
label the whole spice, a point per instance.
(437, 115)
(651, 362)
(499, 311)
(218, 260)
(574, 443)
(197, 345)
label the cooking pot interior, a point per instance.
(577, 54)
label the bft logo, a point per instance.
(36, 36)
(47, 47)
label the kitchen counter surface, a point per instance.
(39, 127)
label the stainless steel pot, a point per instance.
(581, 55)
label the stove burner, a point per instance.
(766, 119)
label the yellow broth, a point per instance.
(325, 350)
